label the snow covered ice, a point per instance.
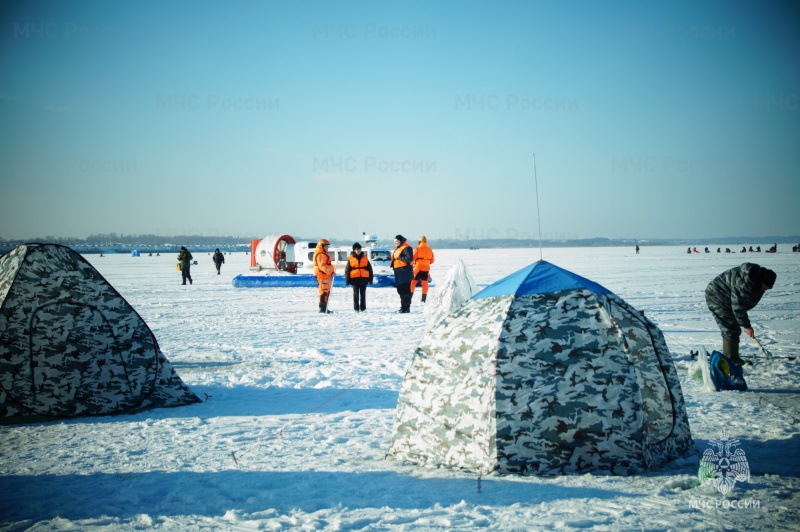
(298, 413)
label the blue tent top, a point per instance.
(539, 278)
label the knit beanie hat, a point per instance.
(356, 246)
(401, 238)
(768, 277)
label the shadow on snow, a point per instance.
(212, 494)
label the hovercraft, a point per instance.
(282, 261)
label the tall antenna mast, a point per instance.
(538, 212)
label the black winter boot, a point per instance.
(730, 350)
(405, 303)
(323, 305)
(424, 297)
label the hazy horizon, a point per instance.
(247, 238)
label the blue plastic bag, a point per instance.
(734, 382)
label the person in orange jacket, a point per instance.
(358, 274)
(324, 271)
(402, 257)
(423, 258)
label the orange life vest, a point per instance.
(423, 258)
(358, 267)
(397, 263)
(322, 262)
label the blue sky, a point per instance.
(647, 120)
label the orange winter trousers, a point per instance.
(422, 277)
(324, 282)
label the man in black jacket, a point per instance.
(402, 258)
(185, 262)
(218, 259)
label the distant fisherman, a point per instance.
(218, 259)
(185, 262)
(324, 270)
(730, 295)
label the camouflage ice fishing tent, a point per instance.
(451, 294)
(543, 372)
(70, 345)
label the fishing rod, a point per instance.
(538, 211)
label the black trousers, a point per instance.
(185, 274)
(404, 290)
(359, 293)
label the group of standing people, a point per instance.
(411, 266)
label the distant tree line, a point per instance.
(604, 242)
(101, 240)
(110, 239)
(461, 243)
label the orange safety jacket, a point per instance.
(423, 258)
(322, 263)
(358, 267)
(396, 262)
